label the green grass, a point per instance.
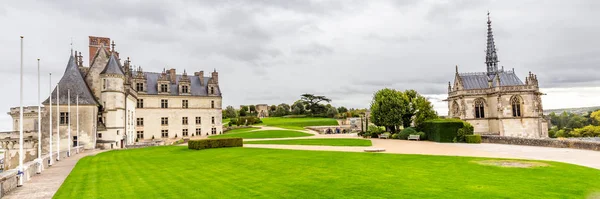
(263, 134)
(177, 172)
(320, 142)
(298, 123)
(241, 130)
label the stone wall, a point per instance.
(556, 143)
(10, 178)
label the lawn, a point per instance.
(320, 142)
(298, 123)
(177, 172)
(262, 134)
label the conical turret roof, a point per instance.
(113, 66)
(73, 81)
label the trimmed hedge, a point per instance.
(215, 143)
(442, 130)
(403, 135)
(473, 139)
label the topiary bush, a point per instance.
(442, 130)
(473, 139)
(406, 132)
(215, 143)
(395, 136)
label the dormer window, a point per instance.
(164, 88)
(139, 86)
(212, 90)
(184, 89)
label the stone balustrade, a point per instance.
(10, 178)
(546, 142)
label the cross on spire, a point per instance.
(113, 46)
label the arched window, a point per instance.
(455, 109)
(515, 102)
(479, 108)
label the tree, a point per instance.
(387, 108)
(424, 111)
(312, 103)
(229, 112)
(252, 109)
(243, 107)
(332, 112)
(342, 109)
(298, 108)
(596, 117)
(283, 109)
(243, 112)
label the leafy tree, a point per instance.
(282, 110)
(332, 112)
(342, 109)
(312, 103)
(229, 112)
(595, 116)
(387, 108)
(273, 108)
(243, 112)
(424, 111)
(252, 108)
(298, 108)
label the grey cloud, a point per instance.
(314, 49)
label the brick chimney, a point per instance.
(201, 77)
(215, 76)
(172, 76)
(95, 44)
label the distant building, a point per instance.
(262, 110)
(497, 102)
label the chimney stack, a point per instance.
(215, 76)
(95, 44)
(201, 77)
(173, 76)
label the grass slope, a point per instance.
(298, 123)
(177, 172)
(263, 134)
(320, 142)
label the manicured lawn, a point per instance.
(263, 134)
(241, 130)
(320, 142)
(177, 172)
(298, 123)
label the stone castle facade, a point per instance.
(119, 104)
(497, 102)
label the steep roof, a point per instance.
(113, 66)
(480, 80)
(73, 81)
(195, 90)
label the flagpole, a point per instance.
(58, 122)
(20, 170)
(39, 124)
(50, 116)
(69, 123)
(77, 121)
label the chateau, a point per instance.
(497, 102)
(119, 104)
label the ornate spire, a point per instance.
(491, 58)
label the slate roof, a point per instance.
(113, 66)
(73, 80)
(195, 90)
(480, 80)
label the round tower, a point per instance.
(113, 100)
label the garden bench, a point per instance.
(383, 136)
(414, 137)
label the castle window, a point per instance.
(140, 134)
(140, 103)
(184, 103)
(64, 118)
(212, 104)
(164, 103)
(184, 132)
(515, 102)
(104, 84)
(213, 131)
(184, 120)
(140, 121)
(164, 133)
(198, 131)
(139, 86)
(163, 88)
(99, 135)
(479, 110)
(184, 89)
(213, 120)
(212, 90)
(198, 120)
(164, 121)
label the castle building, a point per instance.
(120, 104)
(497, 102)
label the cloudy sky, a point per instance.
(273, 51)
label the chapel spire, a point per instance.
(491, 58)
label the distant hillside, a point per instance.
(579, 110)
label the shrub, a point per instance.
(386, 133)
(294, 116)
(473, 138)
(374, 135)
(215, 143)
(376, 129)
(442, 130)
(406, 132)
(246, 120)
(422, 135)
(395, 136)
(467, 129)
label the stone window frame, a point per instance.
(140, 103)
(139, 134)
(184, 103)
(455, 109)
(185, 89)
(212, 103)
(213, 120)
(213, 131)
(164, 121)
(140, 121)
(199, 131)
(139, 86)
(164, 133)
(164, 103)
(64, 118)
(516, 104)
(184, 133)
(164, 88)
(479, 108)
(198, 120)
(184, 120)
